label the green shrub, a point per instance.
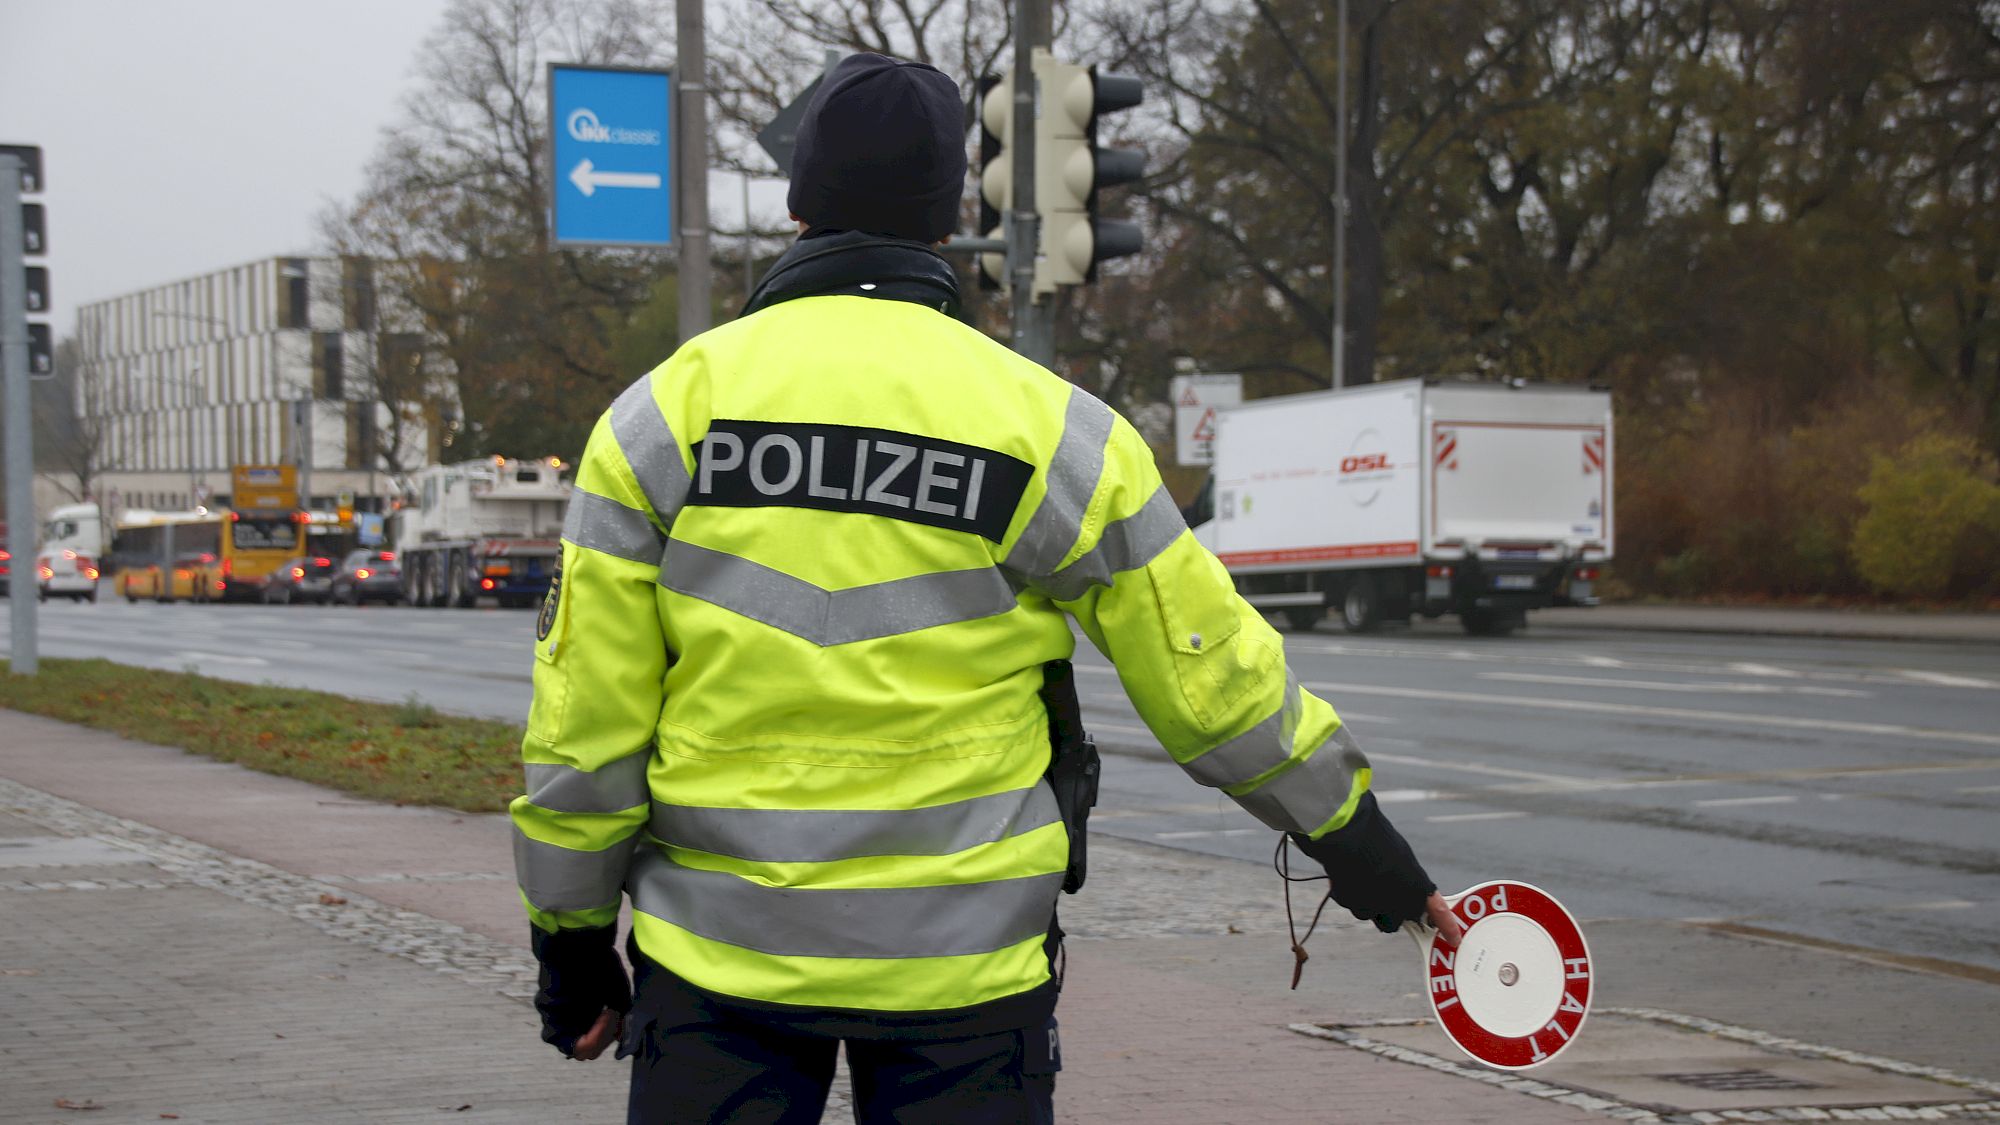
(1931, 513)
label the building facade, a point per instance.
(283, 360)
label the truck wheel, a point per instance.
(1361, 608)
(1488, 623)
(455, 593)
(1302, 618)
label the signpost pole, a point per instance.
(1034, 321)
(23, 582)
(690, 70)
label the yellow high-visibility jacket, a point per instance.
(785, 694)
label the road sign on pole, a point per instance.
(1196, 399)
(781, 136)
(611, 157)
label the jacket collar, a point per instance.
(830, 262)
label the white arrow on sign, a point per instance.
(588, 179)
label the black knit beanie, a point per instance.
(881, 150)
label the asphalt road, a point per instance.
(1843, 790)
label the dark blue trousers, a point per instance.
(748, 1073)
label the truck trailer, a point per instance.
(1415, 497)
(478, 529)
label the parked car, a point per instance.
(365, 576)
(6, 565)
(307, 578)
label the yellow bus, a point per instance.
(201, 556)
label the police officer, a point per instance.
(789, 685)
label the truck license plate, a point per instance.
(1513, 581)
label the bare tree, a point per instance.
(69, 424)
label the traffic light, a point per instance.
(995, 95)
(1071, 169)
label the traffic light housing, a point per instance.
(995, 112)
(1071, 170)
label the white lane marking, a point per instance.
(223, 658)
(1976, 738)
(1397, 796)
(1360, 717)
(1716, 802)
(1456, 817)
(1115, 728)
(1945, 679)
(1710, 687)
(1981, 789)
(1941, 904)
(1207, 832)
(1748, 669)
(1894, 677)
(1490, 771)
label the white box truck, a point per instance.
(1428, 497)
(478, 529)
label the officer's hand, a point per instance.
(602, 1034)
(1443, 920)
(1373, 873)
(584, 990)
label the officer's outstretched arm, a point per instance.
(1203, 668)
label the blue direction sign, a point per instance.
(612, 172)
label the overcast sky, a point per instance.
(182, 137)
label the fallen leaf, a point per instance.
(326, 899)
(1234, 930)
(276, 1035)
(20, 972)
(170, 1117)
(87, 1103)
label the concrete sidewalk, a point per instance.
(187, 937)
(183, 937)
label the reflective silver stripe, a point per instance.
(557, 878)
(1127, 544)
(791, 836)
(649, 447)
(603, 524)
(611, 788)
(1307, 795)
(1072, 477)
(834, 617)
(1263, 747)
(892, 922)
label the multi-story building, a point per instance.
(283, 360)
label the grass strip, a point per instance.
(406, 753)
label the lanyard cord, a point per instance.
(1281, 862)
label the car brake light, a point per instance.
(487, 583)
(298, 572)
(228, 567)
(48, 572)
(90, 572)
(364, 572)
(322, 562)
(387, 556)
(222, 585)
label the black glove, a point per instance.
(582, 975)
(1370, 868)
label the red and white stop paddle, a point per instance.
(1515, 992)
